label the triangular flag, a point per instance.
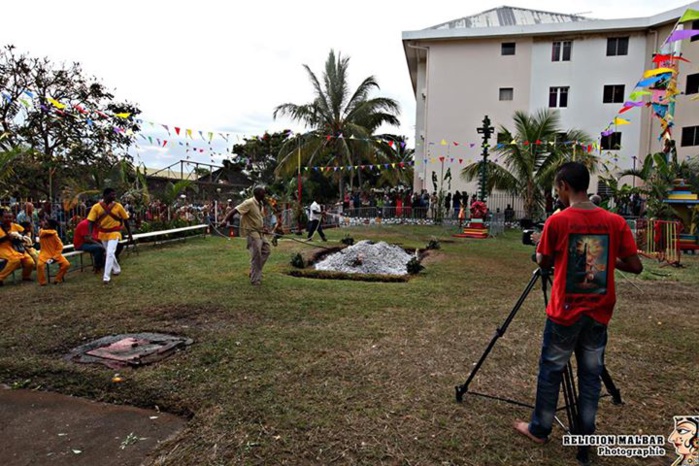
(513, 142)
(636, 94)
(211, 136)
(122, 115)
(443, 143)
(189, 133)
(649, 81)
(620, 121)
(657, 71)
(55, 103)
(164, 143)
(177, 130)
(689, 15)
(681, 35)
(456, 143)
(390, 144)
(166, 129)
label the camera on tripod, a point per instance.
(529, 228)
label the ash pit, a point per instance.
(367, 257)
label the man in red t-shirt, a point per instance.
(584, 244)
(82, 241)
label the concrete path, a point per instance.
(41, 428)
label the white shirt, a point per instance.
(315, 207)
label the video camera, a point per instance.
(528, 228)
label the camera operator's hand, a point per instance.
(536, 237)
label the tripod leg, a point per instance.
(461, 389)
(571, 396)
(611, 388)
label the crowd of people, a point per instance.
(403, 203)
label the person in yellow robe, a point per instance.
(109, 216)
(12, 250)
(51, 251)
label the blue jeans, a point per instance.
(97, 252)
(588, 339)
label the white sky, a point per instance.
(224, 65)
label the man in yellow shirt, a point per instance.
(51, 250)
(109, 216)
(252, 227)
(11, 249)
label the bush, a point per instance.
(414, 266)
(297, 261)
(433, 243)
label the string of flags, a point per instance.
(659, 83)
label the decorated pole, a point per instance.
(298, 182)
(486, 130)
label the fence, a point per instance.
(658, 239)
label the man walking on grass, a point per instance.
(109, 216)
(316, 217)
(252, 227)
(584, 244)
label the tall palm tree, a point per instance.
(341, 122)
(530, 155)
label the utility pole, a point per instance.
(486, 130)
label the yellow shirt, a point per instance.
(109, 227)
(251, 220)
(51, 245)
(6, 250)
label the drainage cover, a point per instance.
(133, 349)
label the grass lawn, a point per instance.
(304, 371)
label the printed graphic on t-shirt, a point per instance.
(588, 256)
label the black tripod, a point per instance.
(570, 395)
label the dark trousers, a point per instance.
(98, 254)
(315, 225)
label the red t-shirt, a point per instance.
(585, 244)
(81, 231)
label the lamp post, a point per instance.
(486, 130)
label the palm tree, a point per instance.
(530, 156)
(341, 123)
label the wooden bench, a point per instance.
(69, 249)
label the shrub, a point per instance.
(433, 243)
(297, 261)
(348, 240)
(414, 266)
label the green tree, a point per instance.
(527, 167)
(341, 122)
(258, 156)
(69, 122)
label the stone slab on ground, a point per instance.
(42, 428)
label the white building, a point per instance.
(508, 59)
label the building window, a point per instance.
(695, 25)
(611, 142)
(613, 94)
(690, 136)
(561, 50)
(692, 84)
(558, 97)
(508, 48)
(617, 46)
(507, 93)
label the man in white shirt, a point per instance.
(315, 216)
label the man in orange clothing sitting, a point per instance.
(51, 251)
(109, 216)
(12, 249)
